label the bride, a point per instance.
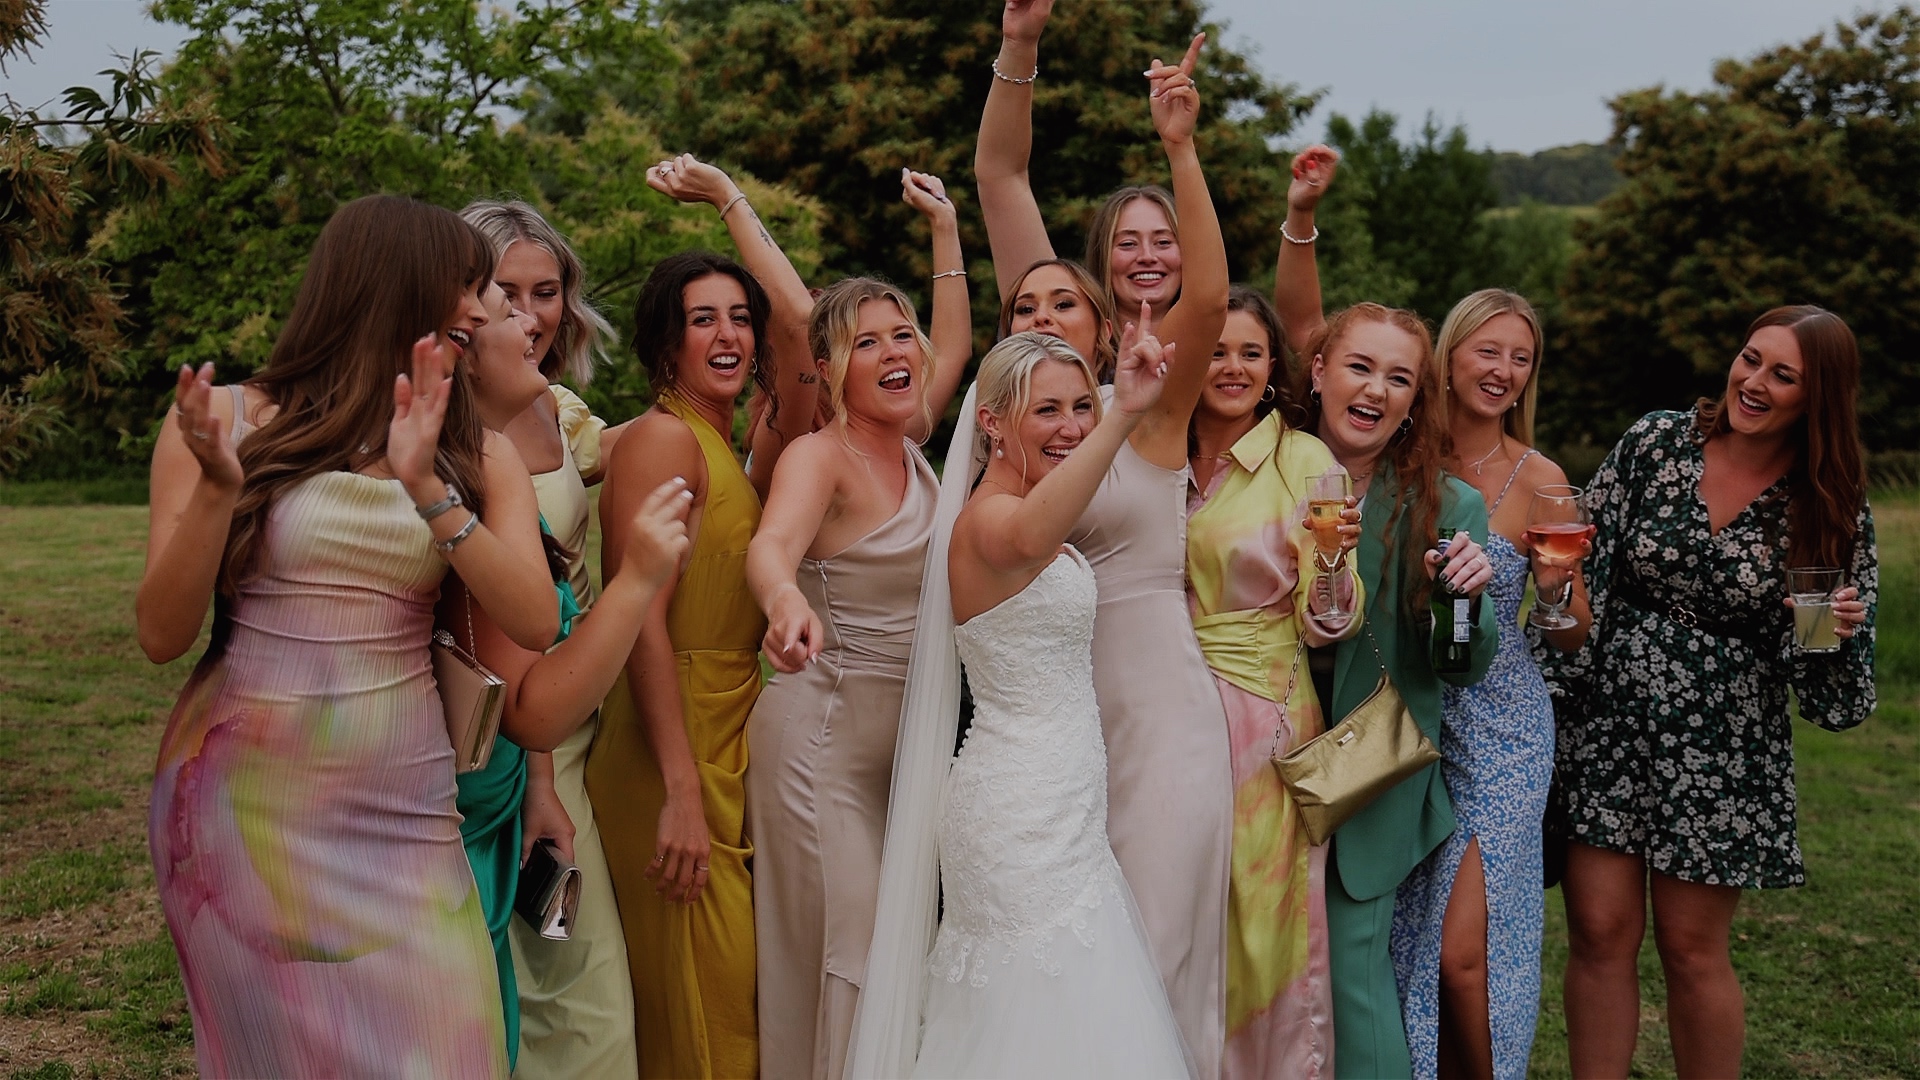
(1040, 967)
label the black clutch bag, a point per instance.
(548, 896)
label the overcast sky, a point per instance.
(1521, 74)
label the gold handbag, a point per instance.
(472, 696)
(1337, 773)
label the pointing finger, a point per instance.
(1193, 54)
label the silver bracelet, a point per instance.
(1292, 239)
(737, 198)
(1003, 77)
(446, 546)
(428, 513)
(950, 273)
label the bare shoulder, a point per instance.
(1540, 470)
(657, 445)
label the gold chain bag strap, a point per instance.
(472, 696)
(1334, 775)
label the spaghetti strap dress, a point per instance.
(576, 999)
(1496, 756)
(302, 825)
(692, 965)
(822, 742)
(1169, 769)
(1247, 540)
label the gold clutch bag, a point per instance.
(1334, 775)
(472, 696)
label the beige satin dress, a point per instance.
(1169, 768)
(820, 744)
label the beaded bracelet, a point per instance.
(1003, 77)
(1292, 239)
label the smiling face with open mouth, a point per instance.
(469, 315)
(886, 376)
(1145, 261)
(715, 360)
(505, 381)
(1490, 369)
(1059, 412)
(1766, 389)
(1368, 378)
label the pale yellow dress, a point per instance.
(576, 1003)
(692, 965)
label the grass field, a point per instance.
(87, 979)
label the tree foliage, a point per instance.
(1579, 174)
(835, 96)
(1791, 180)
(329, 100)
(61, 343)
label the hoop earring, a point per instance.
(1313, 396)
(1406, 427)
(1266, 397)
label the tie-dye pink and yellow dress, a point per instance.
(303, 831)
(1246, 540)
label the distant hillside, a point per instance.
(1577, 175)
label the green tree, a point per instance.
(329, 101)
(835, 96)
(1791, 180)
(1407, 222)
(61, 341)
(1576, 175)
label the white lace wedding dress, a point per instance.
(1039, 967)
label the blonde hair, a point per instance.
(1005, 380)
(1467, 317)
(835, 324)
(583, 335)
(1106, 224)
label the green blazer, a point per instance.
(1384, 842)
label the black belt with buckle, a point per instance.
(1634, 592)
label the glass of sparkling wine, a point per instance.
(1558, 532)
(1326, 499)
(1812, 590)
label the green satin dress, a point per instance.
(489, 803)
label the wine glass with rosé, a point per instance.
(1327, 496)
(1560, 534)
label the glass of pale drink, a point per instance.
(1812, 589)
(1326, 500)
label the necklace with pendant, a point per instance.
(1482, 463)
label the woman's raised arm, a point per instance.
(1015, 231)
(952, 326)
(195, 482)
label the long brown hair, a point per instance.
(1414, 453)
(1106, 346)
(385, 272)
(1827, 484)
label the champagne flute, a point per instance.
(1558, 532)
(1327, 496)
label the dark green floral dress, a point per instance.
(1674, 740)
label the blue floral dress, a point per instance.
(1496, 755)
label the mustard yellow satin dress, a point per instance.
(692, 965)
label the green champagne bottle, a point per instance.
(1452, 627)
